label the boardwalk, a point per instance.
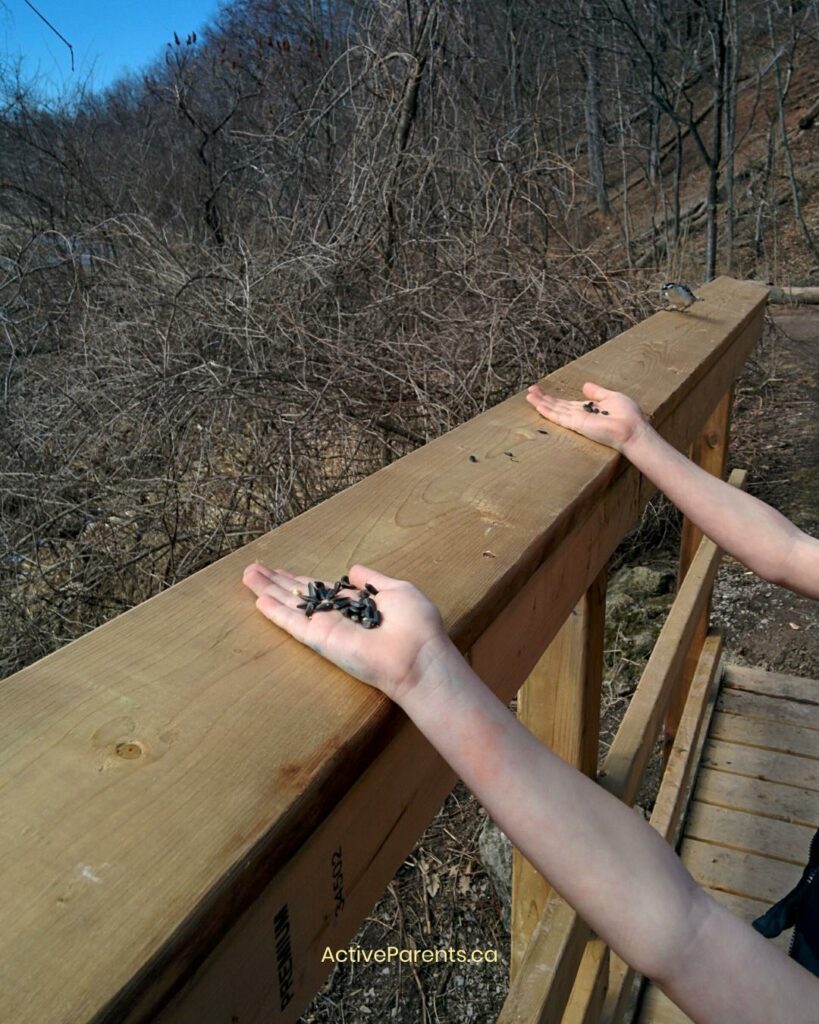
(756, 802)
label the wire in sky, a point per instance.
(54, 30)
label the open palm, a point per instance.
(392, 657)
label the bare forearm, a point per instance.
(748, 529)
(606, 861)
(600, 855)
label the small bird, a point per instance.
(679, 296)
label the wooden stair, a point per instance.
(755, 805)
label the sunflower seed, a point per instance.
(323, 597)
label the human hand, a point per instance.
(619, 421)
(395, 657)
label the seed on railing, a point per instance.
(473, 458)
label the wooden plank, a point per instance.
(657, 1008)
(246, 741)
(560, 704)
(787, 739)
(710, 452)
(588, 995)
(322, 894)
(771, 765)
(774, 684)
(741, 830)
(549, 967)
(734, 871)
(632, 746)
(769, 799)
(679, 775)
(770, 709)
(674, 794)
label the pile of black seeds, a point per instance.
(362, 609)
(591, 407)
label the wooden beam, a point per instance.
(622, 774)
(710, 452)
(674, 794)
(560, 704)
(632, 746)
(591, 985)
(546, 977)
(165, 771)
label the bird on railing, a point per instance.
(679, 296)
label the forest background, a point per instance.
(318, 235)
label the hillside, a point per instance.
(321, 236)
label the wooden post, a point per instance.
(710, 451)
(560, 704)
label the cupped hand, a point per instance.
(394, 657)
(619, 420)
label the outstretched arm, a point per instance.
(748, 529)
(622, 878)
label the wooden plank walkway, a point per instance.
(755, 805)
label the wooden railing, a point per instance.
(193, 806)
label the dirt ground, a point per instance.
(442, 895)
(765, 625)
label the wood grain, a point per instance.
(771, 765)
(787, 739)
(710, 452)
(560, 704)
(734, 871)
(123, 874)
(674, 793)
(768, 799)
(774, 684)
(743, 830)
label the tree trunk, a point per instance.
(597, 172)
(781, 93)
(717, 32)
(732, 64)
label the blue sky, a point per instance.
(109, 39)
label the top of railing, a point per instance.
(157, 771)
